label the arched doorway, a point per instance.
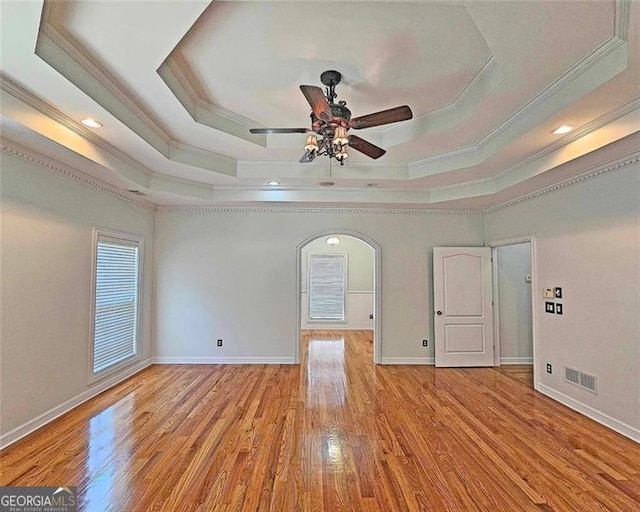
(377, 282)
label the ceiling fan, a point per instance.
(330, 121)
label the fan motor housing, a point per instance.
(340, 111)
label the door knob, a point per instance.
(438, 313)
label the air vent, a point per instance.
(581, 379)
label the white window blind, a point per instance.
(116, 302)
(327, 287)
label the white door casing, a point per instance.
(463, 312)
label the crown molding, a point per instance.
(313, 209)
(573, 136)
(17, 150)
(449, 115)
(589, 175)
(34, 157)
(37, 103)
(60, 50)
(184, 87)
(609, 49)
(48, 32)
(590, 127)
(141, 122)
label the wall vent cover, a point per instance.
(581, 379)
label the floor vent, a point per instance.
(582, 379)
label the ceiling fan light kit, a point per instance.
(331, 120)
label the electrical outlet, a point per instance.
(219, 343)
(549, 368)
(425, 343)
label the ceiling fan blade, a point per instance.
(280, 130)
(307, 157)
(318, 102)
(393, 115)
(365, 147)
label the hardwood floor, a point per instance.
(521, 372)
(335, 433)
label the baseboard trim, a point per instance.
(41, 420)
(222, 360)
(516, 360)
(407, 360)
(590, 412)
(320, 327)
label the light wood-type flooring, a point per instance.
(335, 433)
(522, 372)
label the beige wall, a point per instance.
(360, 261)
(231, 275)
(514, 300)
(587, 242)
(46, 266)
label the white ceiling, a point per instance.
(177, 86)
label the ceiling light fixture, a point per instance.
(561, 130)
(333, 143)
(333, 240)
(273, 183)
(91, 123)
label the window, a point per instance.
(327, 287)
(116, 301)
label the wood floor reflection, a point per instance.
(521, 372)
(335, 433)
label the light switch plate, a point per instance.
(547, 293)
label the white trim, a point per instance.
(516, 360)
(314, 209)
(613, 166)
(41, 420)
(408, 360)
(618, 426)
(336, 327)
(222, 360)
(13, 148)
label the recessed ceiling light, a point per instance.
(561, 130)
(333, 240)
(91, 123)
(274, 183)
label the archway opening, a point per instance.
(338, 285)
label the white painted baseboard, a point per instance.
(222, 360)
(516, 360)
(40, 421)
(590, 412)
(407, 360)
(334, 327)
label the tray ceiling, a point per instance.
(177, 85)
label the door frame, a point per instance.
(377, 288)
(494, 244)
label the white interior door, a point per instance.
(463, 316)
